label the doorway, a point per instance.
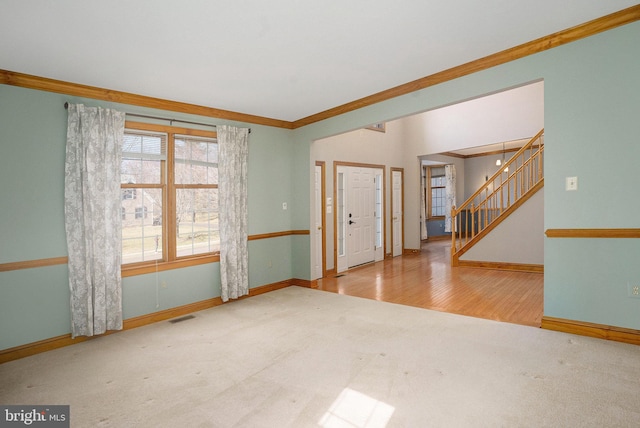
(359, 214)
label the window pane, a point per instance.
(437, 201)
(438, 181)
(142, 157)
(196, 160)
(139, 171)
(197, 221)
(141, 225)
(144, 143)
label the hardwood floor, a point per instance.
(426, 280)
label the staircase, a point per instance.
(516, 181)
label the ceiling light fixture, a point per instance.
(503, 161)
(500, 162)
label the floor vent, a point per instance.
(338, 276)
(184, 318)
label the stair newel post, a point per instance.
(458, 231)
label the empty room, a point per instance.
(230, 214)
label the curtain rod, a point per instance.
(66, 106)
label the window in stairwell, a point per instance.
(436, 183)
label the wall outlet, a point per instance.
(633, 290)
(163, 284)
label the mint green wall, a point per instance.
(32, 128)
(270, 260)
(145, 294)
(270, 183)
(592, 129)
(34, 303)
(592, 107)
(301, 170)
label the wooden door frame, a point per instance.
(323, 211)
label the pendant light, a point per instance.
(500, 162)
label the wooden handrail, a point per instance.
(497, 195)
(501, 169)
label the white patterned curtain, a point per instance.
(233, 156)
(450, 195)
(93, 219)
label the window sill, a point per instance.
(151, 267)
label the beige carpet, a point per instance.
(306, 358)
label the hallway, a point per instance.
(426, 280)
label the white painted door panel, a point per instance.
(360, 216)
(396, 213)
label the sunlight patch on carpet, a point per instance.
(357, 410)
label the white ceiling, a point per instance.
(281, 59)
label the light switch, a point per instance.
(284, 205)
(571, 183)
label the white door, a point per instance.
(379, 215)
(319, 211)
(360, 216)
(396, 212)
